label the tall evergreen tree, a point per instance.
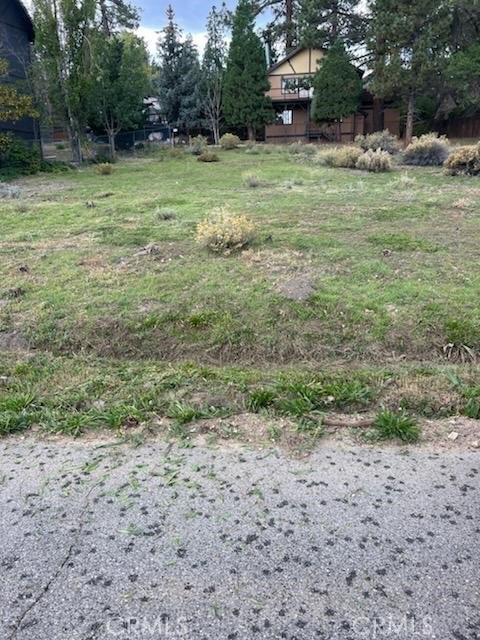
(281, 29)
(116, 14)
(179, 78)
(213, 69)
(120, 82)
(244, 102)
(337, 88)
(408, 42)
(322, 22)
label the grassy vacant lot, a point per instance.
(361, 290)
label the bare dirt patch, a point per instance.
(292, 272)
(44, 188)
(13, 341)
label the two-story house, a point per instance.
(291, 94)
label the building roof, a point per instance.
(28, 20)
(289, 56)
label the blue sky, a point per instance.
(191, 14)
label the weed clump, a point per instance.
(208, 156)
(464, 161)
(390, 425)
(374, 161)
(165, 214)
(224, 232)
(104, 168)
(383, 140)
(229, 141)
(428, 150)
(251, 180)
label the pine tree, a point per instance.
(408, 42)
(281, 29)
(246, 82)
(213, 69)
(322, 22)
(179, 79)
(115, 15)
(337, 87)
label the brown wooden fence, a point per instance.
(464, 127)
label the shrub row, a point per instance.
(350, 157)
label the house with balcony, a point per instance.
(291, 94)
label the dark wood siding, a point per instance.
(16, 35)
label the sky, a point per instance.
(191, 15)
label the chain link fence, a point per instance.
(56, 145)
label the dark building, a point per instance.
(16, 37)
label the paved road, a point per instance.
(216, 544)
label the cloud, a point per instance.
(150, 35)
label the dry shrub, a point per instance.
(428, 150)
(251, 180)
(225, 232)
(345, 157)
(229, 141)
(464, 161)
(375, 161)
(299, 148)
(208, 156)
(104, 168)
(383, 140)
(176, 153)
(198, 145)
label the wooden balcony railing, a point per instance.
(290, 94)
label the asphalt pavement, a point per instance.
(104, 541)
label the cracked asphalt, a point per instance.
(102, 542)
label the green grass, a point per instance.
(94, 304)
(390, 425)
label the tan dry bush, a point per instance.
(429, 150)
(383, 140)
(464, 161)
(342, 157)
(104, 168)
(229, 141)
(225, 232)
(375, 161)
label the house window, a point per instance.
(289, 84)
(285, 117)
(300, 86)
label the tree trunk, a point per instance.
(74, 145)
(289, 40)
(378, 123)
(338, 131)
(251, 133)
(410, 114)
(111, 144)
(216, 134)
